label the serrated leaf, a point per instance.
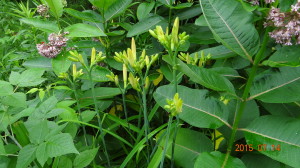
(60, 144)
(232, 25)
(38, 131)
(46, 26)
(17, 99)
(116, 9)
(280, 143)
(204, 112)
(84, 30)
(281, 86)
(30, 77)
(26, 156)
(85, 158)
(216, 159)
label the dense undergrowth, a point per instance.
(165, 83)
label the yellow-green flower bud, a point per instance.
(63, 75)
(116, 80)
(153, 33)
(93, 57)
(147, 83)
(147, 61)
(125, 75)
(111, 77)
(76, 73)
(174, 105)
(134, 81)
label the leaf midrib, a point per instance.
(241, 46)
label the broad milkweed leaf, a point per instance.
(216, 159)
(204, 112)
(232, 25)
(281, 86)
(186, 148)
(46, 26)
(146, 24)
(116, 9)
(250, 160)
(85, 15)
(56, 7)
(144, 10)
(84, 30)
(218, 52)
(285, 56)
(61, 63)
(281, 144)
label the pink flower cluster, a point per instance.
(256, 2)
(54, 47)
(43, 10)
(287, 25)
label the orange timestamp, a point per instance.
(259, 147)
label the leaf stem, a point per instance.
(166, 141)
(240, 111)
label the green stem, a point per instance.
(98, 116)
(146, 124)
(166, 143)
(170, 18)
(79, 111)
(240, 111)
(174, 140)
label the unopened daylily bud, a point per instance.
(147, 61)
(153, 58)
(93, 56)
(134, 81)
(125, 75)
(76, 73)
(153, 33)
(147, 83)
(63, 75)
(111, 77)
(175, 30)
(116, 80)
(133, 48)
(74, 59)
(174, 105)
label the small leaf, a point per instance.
(85, 158)
(60, 144)
(144, 10)
(5, 88)
(41, 155)
(26, 156)
(84, 30)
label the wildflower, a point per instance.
(43, 10)
(54, 47)
(287, 25)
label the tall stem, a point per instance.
(240, 111)
(79, 111)
(146, 123)
(98, 116)
(166, 142)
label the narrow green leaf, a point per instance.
(216, 159)
(281, 86)
(46, 26)
(26, 156)
(56, 7)
(145, 25)
(84, 30)
(232, 25)
(116, 9)
(204, 112)
(281, 144)
(2, 149)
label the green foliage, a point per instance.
(166, 83)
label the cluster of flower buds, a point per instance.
(170, 41)
(95, 58)
(287, 25)
(256, 2)
(76, 74)
(55, 45)
(43, 10)
(174, 105)
(195, 60)
(129, 58)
